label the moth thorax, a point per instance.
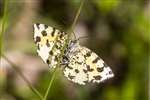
(73, 46)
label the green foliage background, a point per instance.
(117, 30)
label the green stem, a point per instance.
(50, 84)
(15, 67)
(62, 52)
(3, 25)
(76, 17)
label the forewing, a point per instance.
(49, 42)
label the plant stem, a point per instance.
(62, 52)
(76, 17)
(15, 67)
(50, 84)
(3, 25)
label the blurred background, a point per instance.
(118, 31)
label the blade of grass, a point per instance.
(62, 53)
(15, 67)
(3, 24)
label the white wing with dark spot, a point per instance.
(49, 43)
(84, 66)
(75, 69)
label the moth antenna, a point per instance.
(83, 37)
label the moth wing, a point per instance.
(75, 69)
(49, 42)
(85, 66)
(97, 70)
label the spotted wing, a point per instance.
(49, 42)
(76, 70)
(97, 70)
(85, 66)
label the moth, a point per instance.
(80, 64)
